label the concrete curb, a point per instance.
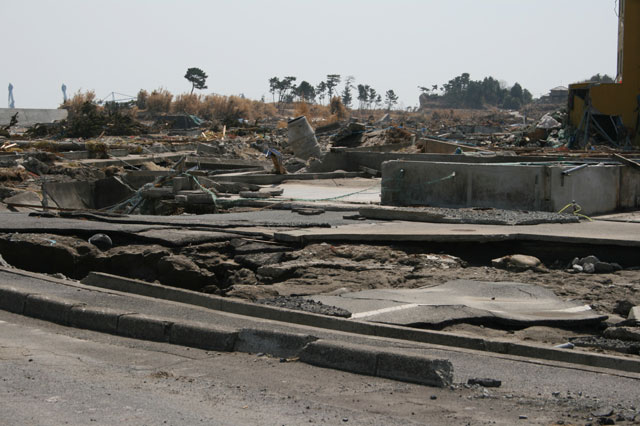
(203, 336)
(218, 303)
(144, 327)
(12, 300)
(92, 318)
(280, 344)
(49, 308)
(372, 361)
(378, 362)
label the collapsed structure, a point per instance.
(613, 109)
(435, 219)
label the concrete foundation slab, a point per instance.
(354, 190)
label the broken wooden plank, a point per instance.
(627, 161)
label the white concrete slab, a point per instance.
(354, 190)
(463, 300)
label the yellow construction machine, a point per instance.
(613, 109)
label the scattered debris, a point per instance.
(301, 304)
(120, 166)
(592, 265)
(487, 383)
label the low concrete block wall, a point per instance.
(28, 117)
(530, 186)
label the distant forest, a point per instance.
(462, 92)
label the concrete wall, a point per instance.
(474, 185)
(509, 186)
(351, 159)
(629, 194)
(29, 117)
(595, 188)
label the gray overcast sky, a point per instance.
(126, 45)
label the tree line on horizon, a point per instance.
(463, 92)
(285, 91)
(459, 92)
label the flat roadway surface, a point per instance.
(597, 232)
(331, 226)
(53, 375)
(77, 375)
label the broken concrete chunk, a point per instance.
(194, 197)
(157, 193)
(25, 198)
(254, 261)
(634, 314)
(518, 262)
(591, 265)
(606, 268)
(623, 307)
(302, 139)
(255, 194)
(180, 271)
(35, 166)
(181, 183)
(589, 259)
(623, 333)
(228, 187)
(603, 412)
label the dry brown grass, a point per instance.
(302, 108)
(226, 109)
(229, 109)
(188, 103)
(75, 103)
(338, 109)
(159, 101)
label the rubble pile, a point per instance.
(114, 167)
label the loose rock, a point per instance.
(102, 241)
